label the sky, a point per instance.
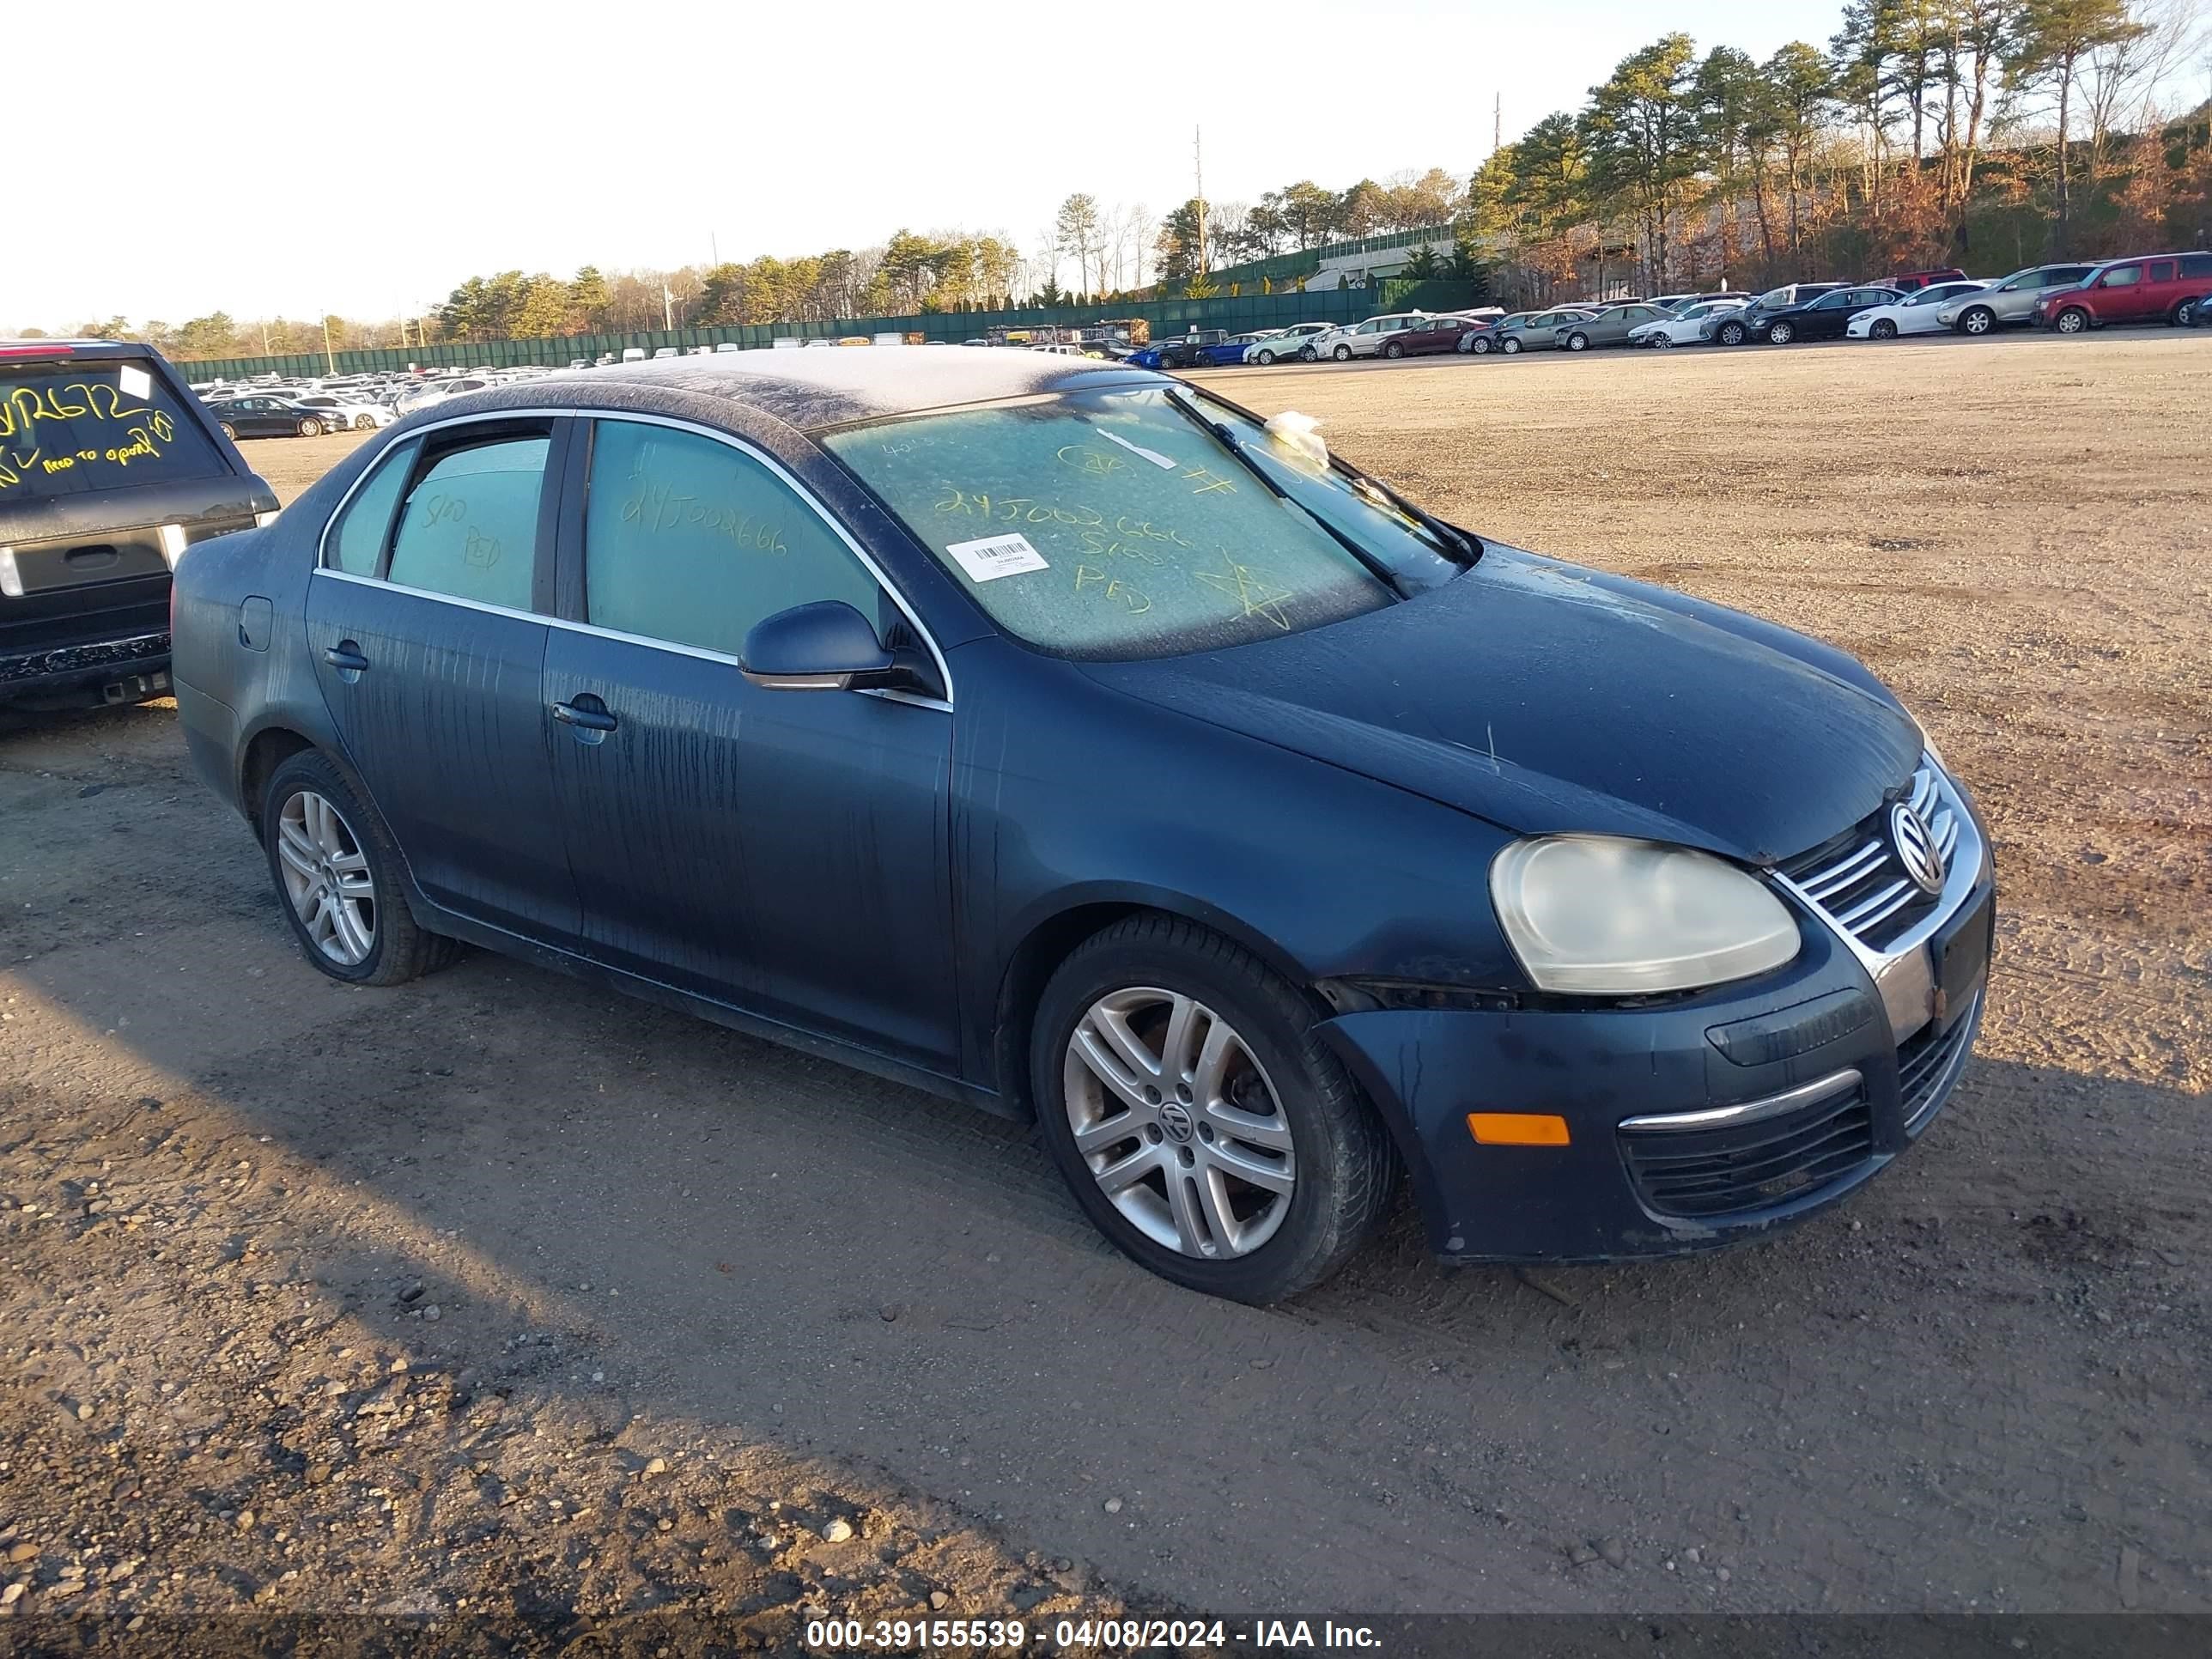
(291, 159)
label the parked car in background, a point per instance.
(1190, 351)
(1692, 326)
(1735, 330)
(1534, 331)
(1483, 341)
(1916, 313)
(1295, 340)
(272, 417)
(1364, 339)
(1825, 317)
(1441, 332)
(2010, 301)
(111, 474)
(1678, 303)
(1707, 955)
(1611, 327)
(431, 392)
(360, 416)
(1912, 282)
(2159, 287)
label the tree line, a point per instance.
(1980, 132)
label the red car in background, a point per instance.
(2150, 288)
(1442, 332)
(1913, 281)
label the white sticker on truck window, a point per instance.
(993, 556)
(136, 382)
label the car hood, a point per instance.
(1546, 698)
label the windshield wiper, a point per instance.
(1220, 433)
(1469, 546)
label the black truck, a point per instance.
(110, 470)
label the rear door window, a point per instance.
(468, 527)
(72, 428)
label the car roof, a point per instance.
(812, 389)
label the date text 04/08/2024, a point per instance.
(1079, 1635)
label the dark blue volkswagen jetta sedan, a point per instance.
(1056, 737)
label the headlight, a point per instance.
(1607, 916)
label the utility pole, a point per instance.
(667, 307)
(329, 357)
(1497, 122)
(1198, 167)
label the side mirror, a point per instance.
(824, 646)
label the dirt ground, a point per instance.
(492, 1292)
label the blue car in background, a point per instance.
(1204, 348)
(1048, 734)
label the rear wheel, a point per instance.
(228, 431)
(1481, 346)
(1883, 328)
(1199, 1123)
(338, 872)
(364, 422)
(1578, 343)
(2181, 313)
(1780, 333)
(2073, 320)
(1342, 354)
(1977, 319)
(311, 428)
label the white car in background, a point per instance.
(1914, 314)
(1285, 344)
(1692, 326)
(1364, 339)
(432, 391)
(347, 411)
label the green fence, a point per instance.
(1237, 314)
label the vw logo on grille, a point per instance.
(1176, 1118)
(1915, 848)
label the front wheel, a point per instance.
(338, 872)
(1481, 347)
(1664, 342)
(1307, 355)
(2073, 320)
(311, 428)
(1394, 349)
(1780, 334)
(1731, 334)
(1883, 328)
(364, 422)
(1265, 359)
(1510, 348)
(1578, 343)
(1977, 319)
(1199, 1122)
(1342, 354)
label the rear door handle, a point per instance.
(347, 658)
(585, 712)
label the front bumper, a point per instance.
(1692, 1123)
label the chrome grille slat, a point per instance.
(1860, 884)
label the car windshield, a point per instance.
(1936, 295)
(69, 429)
(1141, 522)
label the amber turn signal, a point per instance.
(1517, 1128)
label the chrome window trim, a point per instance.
(1751, 1111)
(744, 446)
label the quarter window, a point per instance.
(356, 545)
(469, 525)
(688, 540)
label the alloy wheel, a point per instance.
(2073, 322)
(326, 876)
(1180, 1125)
(1884, 330)
(1977, 321)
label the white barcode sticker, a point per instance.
(136, 382)
(995, 556)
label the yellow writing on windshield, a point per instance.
(1104, 586)
(1249, 588)
(659, 507)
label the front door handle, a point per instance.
(587, 715)
(346, 657)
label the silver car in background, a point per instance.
(2009, 303)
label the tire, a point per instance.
(1882, 329)
(1394, 349)
(311, 428)
(1663, 341)
(1319, 1134)
(1266, 358)
(1342, 354)
(228, 431)
(1482, 346)
(364, 422)
(397, 948)
(1307, 355)
(1780, 333)
(1511, 347)
(2180, 315)
(2072, 320)
(1578, 343)
(1978, 320)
